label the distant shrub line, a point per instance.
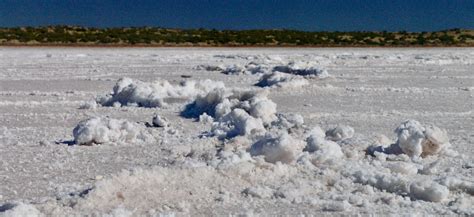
(73, 35)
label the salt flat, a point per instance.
(194, 167)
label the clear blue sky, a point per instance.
(315, 15)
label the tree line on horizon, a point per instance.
(151, 36)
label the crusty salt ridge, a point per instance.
(253, 67)
(458, 184)
(256, 67)
(302, 69)
(129, 92)
(40, 97)
(233, 70)
(291, 75)
(281, 80)
(208, 67)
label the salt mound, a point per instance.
(394, 183)
(340, 132)
(240, 56)
(207, 104)
(208, 67)
(290, 120)
(436, 141)
(429, 191)
(317, 132)
(277, 148)
(337, 206)
(399, 183)
(410, 137)
(159, 121)
(88, 105)
(106, 130)
(234, 112)
(233, 70)
(226, 159)
(415, 140)
(305, 69)
(237, 123)
(262, 107)
(205, 118)
(323, 151)
(129, 92)
(302, 69)
(249, 68)
(281, 80)
(401, 167)
(457, 184)
(256, 68)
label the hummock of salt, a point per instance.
(281, 80)
(277, 148)
(106, 130)
(159, 121)
(129, 92)
(416, 140)
(429, 191)
(322, 150)
(302, 69)
(340, 132)
(234, 112)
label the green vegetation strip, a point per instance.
(147, 36)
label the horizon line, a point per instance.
(236, 30)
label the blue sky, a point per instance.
(316, 15)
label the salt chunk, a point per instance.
(159, 121)
(104, 130)
(205, 118)
(237, 123)
(429, 191)
(281, 80)
(340, 132)
(436, 141)
(274, 148)
(410, 137)
(89, 105)
(323, 150)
